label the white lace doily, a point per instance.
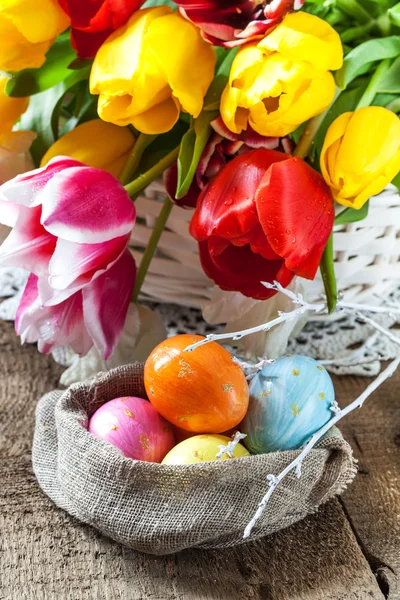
(346, 345)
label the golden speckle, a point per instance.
(265, 393)
(227, 387)
(144, 441)
(295, 409)
(320, 368)
(114, 428)
(198, 454)
(183, 419)
(186, 369)
(129, 413)
(296, 372)
(321, 396)
(123, 399)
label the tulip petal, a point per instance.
(8, 213)
(26, 189)
(60, 325)
(86, 205)
(226, 207)
(73, 266)
(29, 246)
(295, 209)
(188, 85)
(94, 143)
(305, 37)
(106, 301)
(238, 269)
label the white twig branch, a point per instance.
(230, 447)
(274, 480)
(378, 327)
(283, 317)
(252, 368)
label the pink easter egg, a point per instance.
(134, 426)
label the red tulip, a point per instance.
(222, 147)
(233, 22)
(92, 21)
(266, 216)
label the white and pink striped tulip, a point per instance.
(71, 227)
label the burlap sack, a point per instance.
(161, 509)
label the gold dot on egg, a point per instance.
(321, 396)
(320, 368)
(129, 413)
(295, 372)
(114, 428)
(144, 441)
(227, 387)
(295, 409)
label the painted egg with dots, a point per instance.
(290, 400)
(203, 391)
(202, 448)
(134, 426)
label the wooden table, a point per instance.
(349, 550)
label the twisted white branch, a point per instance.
(231, 445)
(283, 317)
(274, 480)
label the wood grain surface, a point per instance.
(348, 550)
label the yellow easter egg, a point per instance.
(201, 448)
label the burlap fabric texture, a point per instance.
(161, 509)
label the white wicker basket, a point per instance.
(367, 253)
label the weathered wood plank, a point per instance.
(46, 554)
(373, 500)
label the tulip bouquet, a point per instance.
(270, 120)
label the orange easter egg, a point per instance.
(202, 391)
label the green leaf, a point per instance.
(327, 268)
(55, 70)
(192, 146)
(351, 215)
(354, 9)
(368, 52)
(213, 96)
(152, 3)
(43, 114)
(396, 181)
(389, 83)
(394, 14)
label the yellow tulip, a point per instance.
(361, 154)
(27, 30)
(150, 69)
(97, 144)
(283, 80)
(10, 108)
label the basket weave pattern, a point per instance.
(367, 253)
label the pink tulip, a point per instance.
(71, 227)
(94, 315)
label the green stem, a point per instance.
(308, 136)
(135, 156)
(394, 105)
(137, 185)
(327, 268)
(373, 87)
(311, 130)
(151, 247)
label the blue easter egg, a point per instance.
(290, 400)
